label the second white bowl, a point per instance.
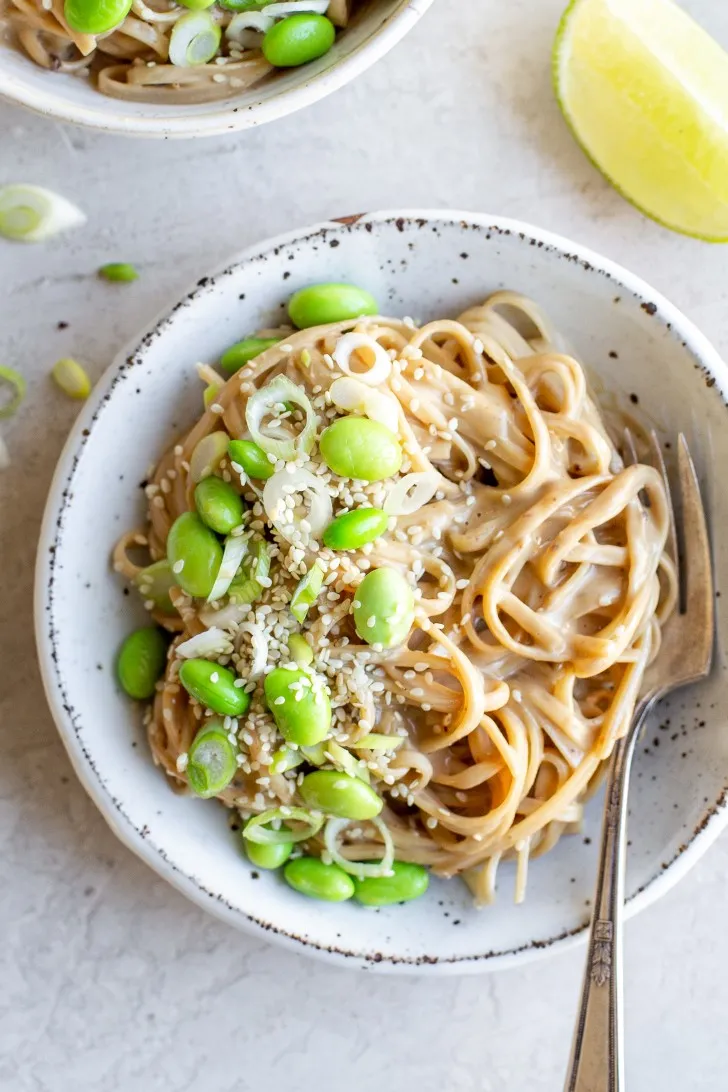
(67, 98)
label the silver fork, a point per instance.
(597, 1063)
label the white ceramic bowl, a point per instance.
(372, 33)
(426, 265)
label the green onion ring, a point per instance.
(255, 830)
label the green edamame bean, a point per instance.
(354, 529)
(305, 722)
(218, 505)
(243, 351)
(339, 794)
(154, 584)
(298, 39)
(213, 686)
(355, 447)
(323, 303)
(384, 608)
(211, 760)
(119, 272)
(408, 882)
(141, 662)
(252, 458)
(95, 16)
(310, 876)
(268, 856)
(194, 554)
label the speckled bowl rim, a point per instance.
(225, 119)
(715, 817)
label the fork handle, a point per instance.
(597, 1059)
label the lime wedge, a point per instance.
(645, 92)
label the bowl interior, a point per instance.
(637, 347)
(374, 28)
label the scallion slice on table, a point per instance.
(13, 380)
(31, 214)
(71, 378)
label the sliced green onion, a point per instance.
(256, 21)
(211, 762)
(71, 378)
(155, 582)
(195, 39)
(244, 590)
(315, 754)
(277, 440)
(236, 547)
(261, 565)
(375, 742)
(121, 272)
(316, 494)
(354, 767)
(307, 591)
(300, 650)
(209, 395)
(243, 5)
(208, 453)
(32, 214)
(257, 830)
(285, 759)
(360, 869)
(15, 381)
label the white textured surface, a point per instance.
(110, 980)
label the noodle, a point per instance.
(132, 61)
(539, 576)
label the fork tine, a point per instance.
(659, 463)
(699, 605)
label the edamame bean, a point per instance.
(252, 458)
(340, 794)
(310, 876)
(306, 721)
(271, 856)
(95, 16)
(211, 760)
(408, 882)
(242, 351)
(194, 554)
(213, 686)
(323, 303)
(298, 39)
(154, 583)
(384, 608)
(354, 529)
(120, 272)
(355, 447)
(141, 662)
(218, 505)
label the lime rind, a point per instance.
(560, 56)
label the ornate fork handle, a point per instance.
(596, 1063)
